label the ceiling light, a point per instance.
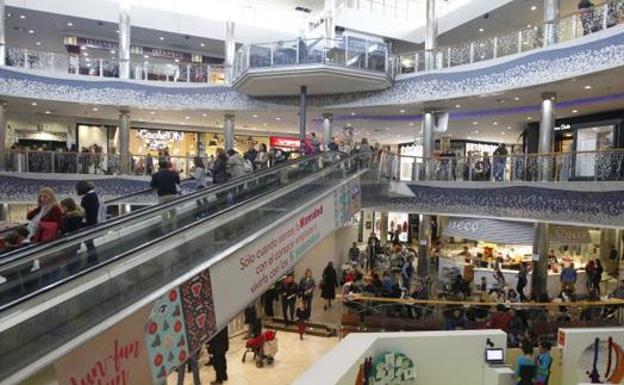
(575, 111)
(177, 60)
(117, 31)
(30, 31)
(83, 47)
(495, 123)
(503, 133)
(509, 127)
(146, 56)
(469, 137)
(533, 8)
(38, 43)
(70, 24)
(481, 30)
(113, 51)
(529, 118)
(264, 124)
(183, 123)
(516, 98)
(411, 124)
(22, 17)
(202, 45)
(475, 132)
(141, 120)
(528, 25)
(278, 118)
(348, 124)
(152, 112)
(95, 109)
(87, 60)
(187, 117)
(588, 87)
(48, 112)
(254, 116)
(33, 103)
(161, 38)
(387, 128)
(402, 111)
(85, 54)
(204, 114)
(458, 106)
(475, 123)
(353, 114)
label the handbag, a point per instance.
(47, 231)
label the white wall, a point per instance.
(19, 125)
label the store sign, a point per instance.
(471, 227)
(155, 140)
(97, 43)
(284, 142)
(569, 235)
(563, 127)
(159, 52)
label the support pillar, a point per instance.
(228, 128)
(3, 135)
(431, 35)
(547, 124)
(124, 40)
(551, 18)
(330, 19)
(327, 130)
(2, 38)
(424, 222)
(539, 275)
(230, 52)
(124, 142)
(427, 129)
(302, 117)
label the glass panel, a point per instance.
(260, 56)
(483, 50)
(357, 52)
(377, 56)
(592, 139)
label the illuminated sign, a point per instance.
(284, 142)
(156, 140)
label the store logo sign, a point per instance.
(279, 141)
(155, 140)
(471, 227)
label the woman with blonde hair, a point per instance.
(46, 220)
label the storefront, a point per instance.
(209, 142)
(288, 144)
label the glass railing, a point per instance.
(570, 27)
(63, 63)
(201, 225)
(348, 51)
(556, 167)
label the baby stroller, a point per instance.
(264, 348)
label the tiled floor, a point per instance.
(292, 359)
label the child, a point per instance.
(302, 317)
(543, 362)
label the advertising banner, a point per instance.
(246, 274)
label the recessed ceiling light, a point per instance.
(48, 112)
(516, 98)
(183, 123)
(475, 123)
(254, 116)
(495, 123)
(22, 17)
(204, 115)
(87, 60)
(85, 54)
(30, 31)
(574, 111)
(475, 132)
(402, 111)
(82, 47)
(95, 109)
(187, 117)
(202, 45)
(509, 127)
(33, 103)
(177, 60)
(70, 24)
(528, 25)
(469, 137)
(353, 114)
(161, 38)
(387, 128)
(411, 124)
(503, 133)
(588, 87)
(146, 56)
(458, 106)
(278, 118)
(529, 118)
(481, 30)
(113, 51)
(152, 112)
(533, 8)
(38, 43)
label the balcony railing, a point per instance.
(61, 63)
(583, 22)
(347, 52)
(38, 161)
(557, 167)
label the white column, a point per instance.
(330, 19)
(551, 18)
(124, 40)
(547, 124)
(124, 141)
(427, 128)
(431, 35)
(424, 223)
(327, 130)
(3, 148)
(230, 52)
(2, 28)
(302, 116)
(228, 128)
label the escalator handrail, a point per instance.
(160, 238)
(29, 252)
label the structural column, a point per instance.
(330, 19)
(424, 222)
(2, 38)
(327, 130)
(431, 35)
(539, 275)
(547, 124)
(230, 52)
(551, 18)
(124, 40)
(124, 141)
(302, 117)
(229, 131)
(3, 135)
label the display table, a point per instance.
(553, 282)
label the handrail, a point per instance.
(29, 254)
(547, 154)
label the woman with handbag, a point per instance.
(46, 223)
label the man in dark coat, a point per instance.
(218, 346)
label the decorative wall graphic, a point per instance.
(165, 336)
(198, 308)
(602, 362)
(389, 368)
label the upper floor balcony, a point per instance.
(325, 66)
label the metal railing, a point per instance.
(39, 161)
(570, 27)
(348, 52)
(556, 167)
(63, 63)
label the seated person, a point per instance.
(454, 320)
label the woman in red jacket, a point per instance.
(46, 221)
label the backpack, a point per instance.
(247, 166)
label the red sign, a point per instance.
(284, 142)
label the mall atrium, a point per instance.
(311, 192)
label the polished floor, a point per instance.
(292, 359)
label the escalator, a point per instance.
(88, 281)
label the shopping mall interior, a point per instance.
(311, 192)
